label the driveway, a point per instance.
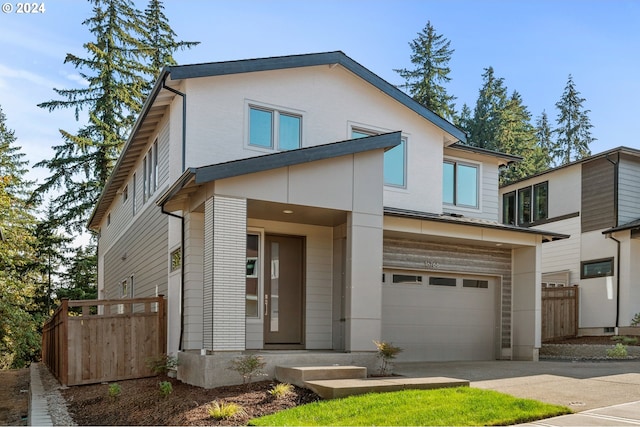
(605, 393)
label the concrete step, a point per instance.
(332, 389)
(299, 375)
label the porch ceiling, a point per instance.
(272, 211)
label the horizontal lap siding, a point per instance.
(563, 254)
(628, 190)
(457, 259)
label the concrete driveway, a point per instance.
(604, 393)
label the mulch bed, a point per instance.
(593, 340)
(140, 403)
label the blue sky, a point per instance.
(533, 45)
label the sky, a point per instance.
(532, 44)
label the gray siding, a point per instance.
(140, 252)
(628, 190)
(417, 255)
(598, 195)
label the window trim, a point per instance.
(276, 111)
(596, 261)
(150, 171)
(533, 217)
(455, 162)
(368, 131)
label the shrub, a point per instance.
(386, 353)
(248, 366)
(625, 340)
(280, 390)
(162, 363)
(617, 352)
(225, 410)
(165, 388)
(636, 320)
(114, 390)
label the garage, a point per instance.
(436, 316)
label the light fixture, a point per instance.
(287, 211)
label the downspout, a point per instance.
(616, 172)
(183, 167)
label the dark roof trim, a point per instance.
(508, 158)
(621, 150)
(628, 226)
(459, 220)
(309, 60)
(250, 165)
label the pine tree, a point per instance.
(516, 135)
(573, 126)
(544, 136)
(486, 115)
(431, 54)
(160, 39)
(80, 279)
(113, 69)
(19, 339)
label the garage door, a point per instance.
(438, 317)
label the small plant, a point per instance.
(165, 388)
(162, 364)
(386, 353)
(636, 320)
(114, 390)
(225, 410)
(280, 390)
(618, 352)
(625, 340)
(248, 366)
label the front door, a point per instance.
(284, 296)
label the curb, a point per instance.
(38, 407)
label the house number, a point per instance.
(431, 264)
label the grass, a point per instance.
(462, 406)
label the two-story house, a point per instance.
(596, 200)
(303, 207)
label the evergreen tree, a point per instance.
(431, 54)
(544, 136)
(160, 39)
(81, 278)
(19, 339)
(464, 119)
(516, 135)
(573, 126)
(491, 101)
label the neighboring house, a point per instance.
(301, 203)
(597, 201)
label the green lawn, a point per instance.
(462, 406)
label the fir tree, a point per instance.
(491, 101)
(573, 126)
(160, 39)
(431, 54)
(80, 279)
(19, 339)
(113, 69)
(544, 136)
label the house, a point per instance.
(596, 201)
(302, 207)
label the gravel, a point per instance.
(583, 352)
(56, 403)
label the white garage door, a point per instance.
(437, 317)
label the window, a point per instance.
(596, 268)
(442, 281)
(268, 125)
(473, 283)
(526, 205)
(125, 194)
(460, 184)
(133, 189)
(395, 160)
(150, 169)
(407, 278)
(176, 259)
(252, 277)
(125, 288)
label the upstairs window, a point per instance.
(274, 129)
(395, 160)
(526, 205)
(596, 268)
(150, 169)
(460, 184)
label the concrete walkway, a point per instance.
(602, 393)
(38, 407)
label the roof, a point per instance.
(154, 108)
(604, 154)
(474, 222)
(507, 158)
(205, 174)
(628, 226)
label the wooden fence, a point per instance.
(559, 312)
(104, 340)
